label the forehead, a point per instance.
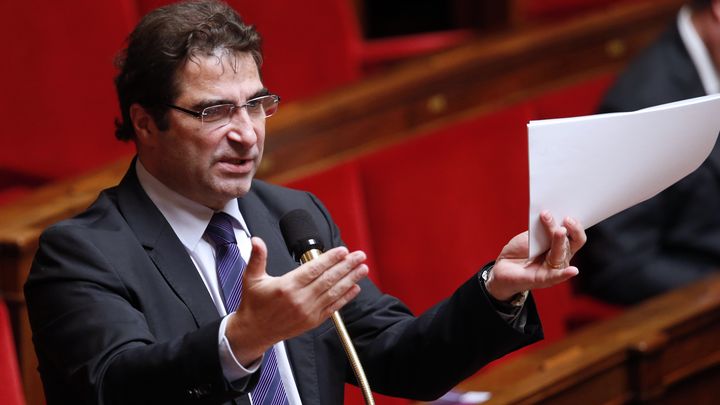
(223, 74)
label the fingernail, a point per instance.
(341, 252)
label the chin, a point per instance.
(236, 190)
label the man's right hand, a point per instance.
(278, 308)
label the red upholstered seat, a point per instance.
(58, 101)
(309, 47)
(339, 188)
(10, 387)
(443, 204)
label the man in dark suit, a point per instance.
(673, 238)
(125, 302)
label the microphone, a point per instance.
(303, 240)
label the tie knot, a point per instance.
(220, 229)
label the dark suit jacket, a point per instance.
(120, 314)
(673, 238)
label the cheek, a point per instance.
(260, 133)
(189, 156)
(197, 148)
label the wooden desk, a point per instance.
(665, 351)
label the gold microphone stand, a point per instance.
(346, 342)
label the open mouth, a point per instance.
(237, 165)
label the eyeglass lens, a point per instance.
(257, 108)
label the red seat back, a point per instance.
(443, 204)
(10, 386)
(58, 99)
(340, 190)
(309, 46)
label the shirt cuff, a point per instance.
(515, 316)
(231, 367)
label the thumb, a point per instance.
(560, 276)
(258, 259)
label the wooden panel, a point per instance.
(660, 352)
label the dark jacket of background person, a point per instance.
(673, 238)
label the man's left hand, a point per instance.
(513, 273)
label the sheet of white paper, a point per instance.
(593, 167)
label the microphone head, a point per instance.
(300, 233)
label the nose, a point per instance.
(241, 127)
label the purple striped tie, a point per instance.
(230, 268)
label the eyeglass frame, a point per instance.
(201, 114)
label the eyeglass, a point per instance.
(257, 108)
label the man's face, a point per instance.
(210, 163)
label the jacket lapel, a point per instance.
(301, 352)
(164, 248)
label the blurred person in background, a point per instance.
(673, 238)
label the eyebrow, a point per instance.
(202, 104)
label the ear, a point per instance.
(144, 124)
(715, 10)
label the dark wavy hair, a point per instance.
(700, 4)
(162, 42)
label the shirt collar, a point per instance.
(187, 218)
(698, 51)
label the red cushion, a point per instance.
(309, 47)
(340, 190)
(377, 52)
(59, 101)
(10, 386)
(442, 205)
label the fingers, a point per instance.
(310, 271)
(558, 255)
(333, 284)
(513, 272)
(339, 290)
(565, 240)
(558, 276)
(329, 279)
(347, 297)
(576, 234)
(258, 259)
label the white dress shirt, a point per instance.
(698, 51)
(189, 220)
